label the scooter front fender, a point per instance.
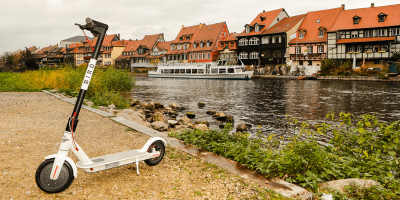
(70, 162)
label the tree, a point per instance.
(327, 65)
(8, 61)
(30, 61)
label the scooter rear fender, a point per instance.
(150, 141)
(70, 162)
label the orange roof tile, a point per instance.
(131, 45)
(327, 19)
(147, 42)
(164, 45)
(284, 25)
(207, 33)
(360, 40)
(369, 18)
(269, 17)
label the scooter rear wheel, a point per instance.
(158, 146)
(63, 181)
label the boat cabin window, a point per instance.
(188, 71)
(214, 71)
(238, 70)
(168, 71)
(231, 70)
(194, 71)
(222, 70)
(176, 71)
(182, 71)
(201, 71)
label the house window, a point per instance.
(352, 48)
(243, 42)
(195, 56)
(204, 56)
(265, 40)
(231, 44)
(381, 17)
(185, 57)
(254, 55)
(222, 44)
(367, 33)
(199, 56)
(231, 56)
(243, 55)
(354, 34)
(359, 48)
(320, 49)
(356, 19)
(247, 29)
(298, 50)
(301, 35)
(257, 28)
(185, 46)
(187, 38)
(208, 55)
(195, 45)
(381, 32)
(254, 41)
(309, 49)
(201, 44)
(273, 40)
(208, 44)
(396, 31)
(179, 47)
(172, 47)
(321, 33)
(191, 56)
(279, 39)
(222, 56)
(181, 39)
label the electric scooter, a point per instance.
(57, 172)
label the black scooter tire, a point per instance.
(159, 146)
(63, 181)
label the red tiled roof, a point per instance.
(327, 19)
(360, 40)
(164, 45)
(269, 17)
(369, 18)
(207, 33)
(131, 45)
(284, 25)
(73, 45)
(147, 42)
(230, 38)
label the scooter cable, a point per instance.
(72, 132)
(90, 44)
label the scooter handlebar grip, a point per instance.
(89, 22)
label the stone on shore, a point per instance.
(180, 127)
(151, 106)
(341, 183)
(159, 126)
(190, 115)
(158, 105)
(220, 116)
(135, 102)
(174, 106)
(172, 123)
(210, 112)
(185, 121)
(201, 105)
(201, 127)
(229, 118)
(111, 108)
(202, 122)
(241, 127)
(159, 117)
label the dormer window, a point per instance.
(321, 33)
(201, 44)
(247, 29)
(185, 46)
(382, 17)
(257, 28)
(195, 45)
(181, 39)
(262, 18)
(179, 47)
(208, 44)
(301, 35)
(172, 47)
(356, 19)
(277, 19)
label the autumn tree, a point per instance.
(29, 60)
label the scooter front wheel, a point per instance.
(158, 146)
(63, 181)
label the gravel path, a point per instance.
(32, 125)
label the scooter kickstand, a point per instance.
(137, 166)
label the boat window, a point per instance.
(238, 70)
(176, 71)
(214, 71)
(169, 71)
(231, 70)
(194, 71)
(188, 71)
(162, 71)
(222, 71)
(182, 71)
(201, 71)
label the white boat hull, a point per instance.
(244, 75)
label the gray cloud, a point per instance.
(42, 23)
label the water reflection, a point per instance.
(261, 101)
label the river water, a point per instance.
(262, 101)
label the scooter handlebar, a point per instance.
(89, 22)
(93, 26)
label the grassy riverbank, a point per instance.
(362, 147)
(107, 86)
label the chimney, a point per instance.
(372, 5)
(263, 10)
(119, 37)
(162, 35)
(183, 26)
(343, 6)
(130, 39)
(136, 39)
(200, 25)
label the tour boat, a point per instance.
(211, 70)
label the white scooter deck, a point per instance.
(117, 159)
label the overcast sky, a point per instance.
(40, 23)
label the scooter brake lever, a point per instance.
(81, 26)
